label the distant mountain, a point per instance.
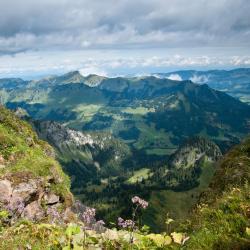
(150, 114)
(234, 82)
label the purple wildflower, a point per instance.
(125, 223)
(16, 207)
(140, 202)
(100, 222)
(54, 214)
(88, 215)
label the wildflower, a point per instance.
(16, 207)
(140, 202)
(100, 222)
(54, 214)
(99, 226)
(88, 215)
(125, 223)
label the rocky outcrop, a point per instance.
(193, 151)
(31, 198)
(5, 191)
(88, 152)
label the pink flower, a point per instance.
(125, 223)
(88, 215)
(138, 201)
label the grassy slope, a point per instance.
(223, 217)
(173, 204)
(23, 152)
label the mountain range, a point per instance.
(151, 115)
(118, 136)
(234, 82)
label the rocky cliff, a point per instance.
(32, 184)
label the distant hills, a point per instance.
(234, 82)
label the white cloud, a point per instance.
(83, 24)
(199, 79)
(92, 70)
(115, 62)
(175, 77)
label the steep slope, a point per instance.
(222, 219)
(181, 181)
(193, 151)
(32, 184)
(85, 156)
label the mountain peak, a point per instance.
(71, 77)
(94, 80)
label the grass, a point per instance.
(138, 110)
(25, 153)
(176, 204)
(139, 175)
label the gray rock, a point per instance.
(5, 191)
(24, 191)
(2, 161)
(30, 141)
(33, 211)
(51, 199)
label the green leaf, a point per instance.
(4, 214)
(168, 221)
(177, 237)
(72, 229)
(160, 240)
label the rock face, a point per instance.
(33, 211)
(88, 152)
(193, 151)
(51, 199)
(5, 191)
(26, 199)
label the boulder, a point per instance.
(33, 211)
(25, 191)
(5, 191)
(30, 141)
(2, 162)
(51, 199)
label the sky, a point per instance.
(121, 37)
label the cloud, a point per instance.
(112, 63)
(175, 77)
(92, 70)
(199, 79)
(83, 24)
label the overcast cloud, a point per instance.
(126, 25)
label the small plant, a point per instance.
(168, 223)
(131, 224)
